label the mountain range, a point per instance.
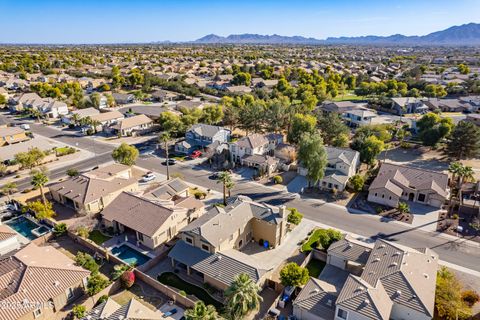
(464, 35)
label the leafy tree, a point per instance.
(128, 279)
(448, 297)
(125, 154)
(225, 178)
(242, 297)
(301, 124)
(313, 156)
(118, 270)
(432, 128)
(39, 180)
(135, 77)
(72, 172)
(356, 182)
(212, 114)
(40, 209)
(31, 158)
(294, 216)
(164, 138)
(8, 189)
(59, 229)
(200, 311)
(96, 283)
(171, 122)
(328, 236)
(79, 311)
(95, 98)
(292, 275)
(86, 261)
(455, 168)
(242, 78)
(403, 207)
(463, 68)
(83, 231)
(332, 129)
(381, 131)
(251, 116)
(464, 141)
(369, 148)
(341, 141)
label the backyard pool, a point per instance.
(27, 228)
(130, 255)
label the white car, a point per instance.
(150, 176)
(25, 126)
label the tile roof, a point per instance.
(9, 131)
(106, 116)
(35, 274)
(132, 122)
(206, 130)
(6, 232)
(133, 310)
(169, 189)
(350, 249)
(318, 298)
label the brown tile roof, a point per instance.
(6, 232)
(106, 116)
(132, 122)
(350, 249)
(395, 178)
(133, 310)
(35, 274)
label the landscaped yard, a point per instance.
(150, 299)
(311, 242)
(171, 279)
(98, 237)
(315, 267)
(348, 96)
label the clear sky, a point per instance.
(114, 21)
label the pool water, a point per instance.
(130, 255)
(23, 226)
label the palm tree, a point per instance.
(164, 138)
(454, 169)
(8, 189)
(403, 207)
(75, 119)
(39, 180)
(95, 124)
(466, 174)
(242, 296)
(201, 312)
(226, 178)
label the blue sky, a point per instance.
(108, 21)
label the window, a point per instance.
(421, 197)
(140, 236)
(189, 240)
(342, 314)
(37, 312)
(376, 194)
(70, 293)
(383, 196)
(205, 248)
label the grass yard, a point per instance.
(171, 279)
(348, 96)
(307, 246)
(98, 237)
(315, 267)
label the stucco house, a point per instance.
(396, 183)
(200, 136)
(43, 276)
(11, 135)
(254, 144)
(133, 125)
(90, 192)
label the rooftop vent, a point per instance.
(425, 275)
(376, 259)
(398, 293)
(56, 283)
(366, 302)
(316, 290)
(393, 264)
(397, 253)
(329, 303)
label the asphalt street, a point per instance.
(455, 251)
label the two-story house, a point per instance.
(200, 136)
(254, 144)
(342, 163)
(11, 135)
(359, 117)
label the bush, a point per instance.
(128, 279)
(83, 232)
(200, 195)
(277, 179)
(64, 151)
(102, 299)
(405, 145)
(293, 275)
(72, 172)
(470, 297)
(294, 216)
(356, 182)
(87, 261)
(96, 283)
(118, 271)
(455, 216)
(79, 311)
(182, 293)
(328, 236)
(59, 229)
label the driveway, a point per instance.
(424, 217)
(297, 184)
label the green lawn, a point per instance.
(171, 279)
(315, 267)
(98, 237)
(307, 246)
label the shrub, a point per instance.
(328, 236)
(118, 271)
(277, 179)
(200, 195)
(182, 293)
(102, 299)
(72, 172)
(59, 229)
(96, 283)
(83, 232)
(356, 182)
(79, 311)
(293, 275)
(87, 261)
(294, 216)
(470, 297)
(405, 145)
(455, 216)
(128, 279)
(64, 151)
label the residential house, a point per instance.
(387, 281)
(342, 163)
(25, 100)
(200, 136)
(8, 240)
(91, 192)
(473, 118)
(170, 189)
(152, 222)
(209, 245)
(396, 183)
(342, 106)
(53, 109)
(133, 125)
(11, 135)
(239, 89)
(404, 105)
(123, 98)
(189, 105)
(107, 119)
(447, 105)
(359, 117)
(40, 279)
(80, 114)
(254, 144)
(163, 96)
(133, 309)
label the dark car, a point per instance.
(171, 162)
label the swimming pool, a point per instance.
(27, 228)
(130, 255)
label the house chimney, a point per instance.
(283, 212)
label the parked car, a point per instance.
(195, 154)
(25, 126)
(170, 313)
(213, 176)
(149, 176)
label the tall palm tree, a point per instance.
(8, 189)
(454, 169)
(201, 312)
(75, 119)
(226, 178)
(39, 180)
(466, 174)
(242, 296)
(164, 138)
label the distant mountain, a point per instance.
(467, 34)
